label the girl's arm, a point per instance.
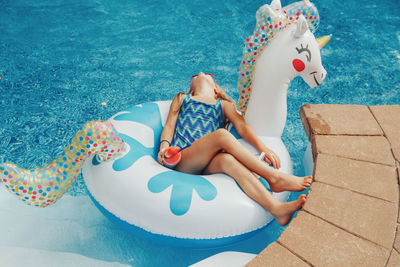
(169, 128)
(245, 131)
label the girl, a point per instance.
(195, 122)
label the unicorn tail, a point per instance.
(44, 186)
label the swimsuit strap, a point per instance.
(186, 98)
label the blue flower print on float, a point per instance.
(183, 186)
(147, 114)
(136, 151)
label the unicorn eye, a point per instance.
(304, 49)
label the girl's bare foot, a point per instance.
(288, 182)
(283, 212)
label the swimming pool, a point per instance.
(62, 59)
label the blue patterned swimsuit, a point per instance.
(195, 120)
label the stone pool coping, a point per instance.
(351, 215)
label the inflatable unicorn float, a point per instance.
(118, 158)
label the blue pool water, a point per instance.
(61, 59)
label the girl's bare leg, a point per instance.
(226, 163)
(199, 154)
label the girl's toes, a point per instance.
(308, 179)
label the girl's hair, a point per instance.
(220, 94)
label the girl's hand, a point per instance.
(160, 155)
(272, 158)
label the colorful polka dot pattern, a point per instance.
(44, 186)
(269, 23)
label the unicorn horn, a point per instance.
(322, 41)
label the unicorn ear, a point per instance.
(276, 4)
(301, 26)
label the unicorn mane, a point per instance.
(269, 23)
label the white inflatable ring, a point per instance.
(166, 206)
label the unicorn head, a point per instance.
(281, 47)
(306, 60)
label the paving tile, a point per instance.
(322, 244)
(396, 243)
(368, 148)
(368, 217)
(398, 211)
(394, 260)
(398, 207)
(276, 255)
(388, 118)
(339, 119)
(369, 178)
(398, 171)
